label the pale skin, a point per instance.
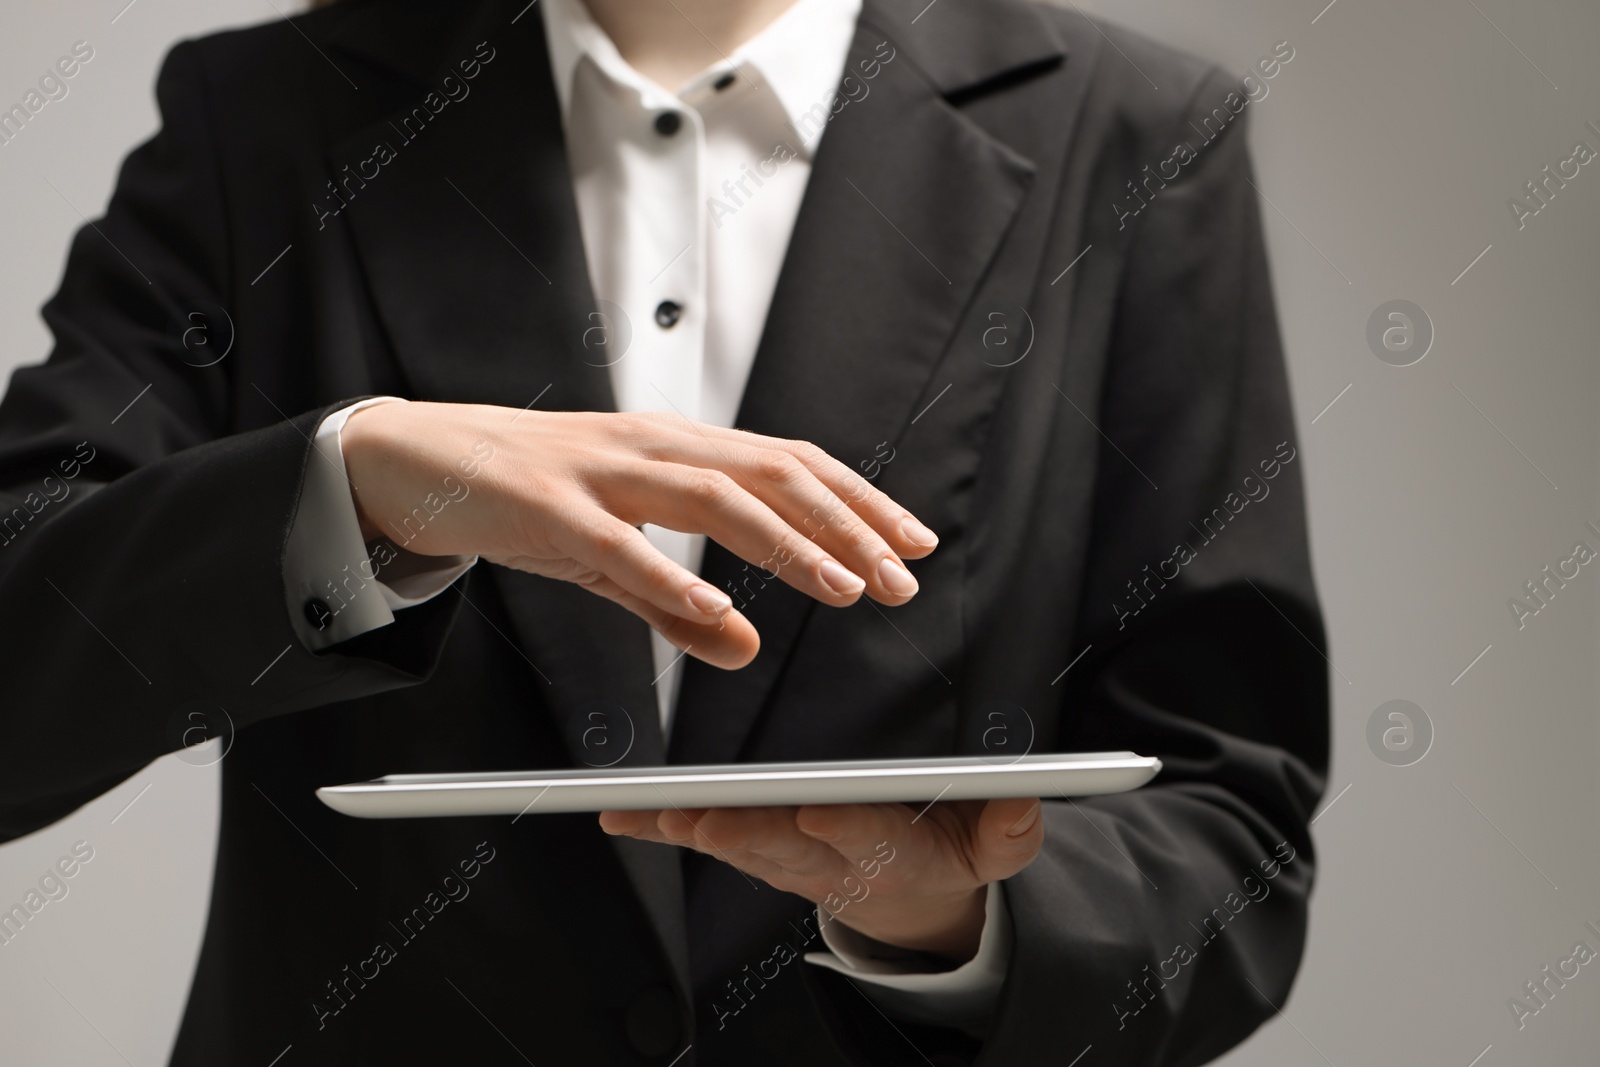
(564, 497)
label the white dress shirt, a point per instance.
(686, 201)
(689, 198)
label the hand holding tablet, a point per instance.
(865, 835)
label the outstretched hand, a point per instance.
(563, 494)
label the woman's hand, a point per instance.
(914, 877)
(563, 495)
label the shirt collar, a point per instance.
(799, 56)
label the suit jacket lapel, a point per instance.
(907, 204)
(470, 240)
(469, 232)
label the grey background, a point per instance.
(1386, 151)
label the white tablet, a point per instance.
(404, 796)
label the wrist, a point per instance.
(947, 928)
(363, 442)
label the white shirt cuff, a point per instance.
(329, 577)
(964, 997)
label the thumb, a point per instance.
(1008, 836)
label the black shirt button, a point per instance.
(668, 312)
(318, 613)
(722, 83)
(652, 1022)
(667, 123)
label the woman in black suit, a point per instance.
(1101, 503)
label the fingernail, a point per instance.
(1024, 824)
(896, 578)
(917, 533)
(709, 601)
(840, 580)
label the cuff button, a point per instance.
(318, 613)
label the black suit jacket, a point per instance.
(1116, 414)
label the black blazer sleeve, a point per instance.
(141, 536)
(1164, 925)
